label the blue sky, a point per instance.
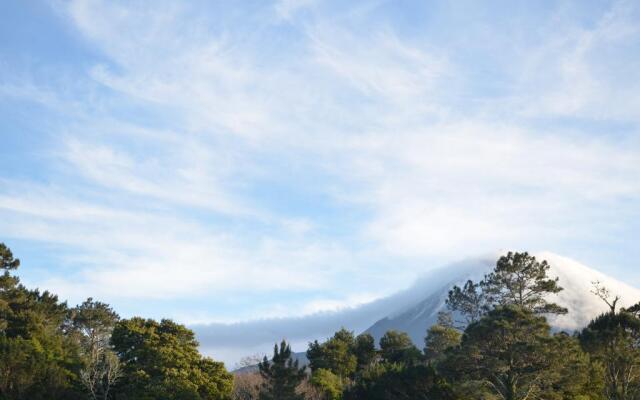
(226, 161)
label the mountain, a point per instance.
(411, 310)
(576, 279)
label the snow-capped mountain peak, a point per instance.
(576, 279)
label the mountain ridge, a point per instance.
(575, 278)
(413, 309)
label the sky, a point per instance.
(227, 161)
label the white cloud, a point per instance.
(191, 174)
(378, 129)
(584, 72)
(149, 255)
(287, 8)
(486, 185)
(380, 65)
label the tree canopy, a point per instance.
(511, 353)
(504, 349)
(517, 279)
(53, 352)
(281, 375)
(161, 360)
(338, 354)
(613, 339)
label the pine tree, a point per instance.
(391, 381)
(613, 339)
(7, 262)
(468, 301)
(510, 354)
(37, 359)
(521, 280)
(281, 375)
(518, 279)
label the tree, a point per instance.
(8, 284)
(92, 322)
(571, 374)
(281, 375)
(7, 262)
(365, 350)
(246, 386)
(249, 362)
(37, 359)
(605, 295)
(100, 374)
(613, 339)
(336, 354)
(309, 391)
(212, 379)
(397, 347)
(329, 384)
(521, 280)
(468, 301)
(161, 361)
(399, 382)
(517, 279)
(498, 354)
(510, 353)
(33, 369)
(315, 355)
(440, 337)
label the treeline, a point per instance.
(50, 351)
(493, 342)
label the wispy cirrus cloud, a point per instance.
(282, 158)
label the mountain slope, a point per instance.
(575, 278)
(412, 310)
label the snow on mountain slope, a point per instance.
(412, 310)
(575, 278)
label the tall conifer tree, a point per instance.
(281, 375)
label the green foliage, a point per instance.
(328, 383)
(161, 361)
(33, 369)
(338, 354)
(399, 382)
(501, 353)
(93, 321)
(7, 262)
(571, 373)
(37, 359)
(281, 375)
(440, 337)
(365, 350)
(511, 354)
(518, 279)
(468, 301)
(613, 339)
(48, 351)
(336, 362)
(397, 347)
